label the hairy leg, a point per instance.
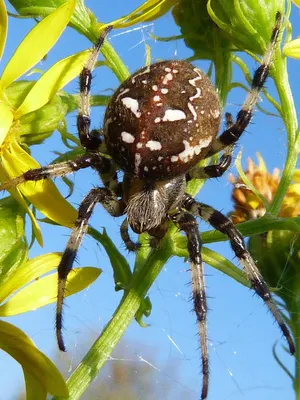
(224, 225)
(109, 201)
(215, 170)
(187, 223)
(89, 139)
(60, 169)
(232, 134)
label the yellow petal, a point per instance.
(148, 11)
(294, 190)
(3, 26)
(5, 121)
(16, 194)
(253, 204)
(296, 176)
(292, 49)
(37, 43)
(29, 271)
(297, 2)
(261, 163)
(43, 194)
(52, 81)
(34, 388)
(40, 373)
(44, 291)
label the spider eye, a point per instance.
(162, 120)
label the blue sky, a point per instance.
(241, 331)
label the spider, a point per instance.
(158, 125)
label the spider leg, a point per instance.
(130, 244)
(60, 169)
(188, 224)
(215, 170)
(89, 140)
(228, 120)
(224, 225)
(232, 134)
(115, 207)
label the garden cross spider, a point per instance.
(158, 125)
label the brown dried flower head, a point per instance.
(249, 206)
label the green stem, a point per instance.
(289, 116)
(114, 61)
(223, 68)
(101, 350)
(248, 77)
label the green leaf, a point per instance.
(17, 91)
(221, 263)
(144, 310)
(122, 271)
(12, 240)
(45, 119)
(121, 268)
(265, 224)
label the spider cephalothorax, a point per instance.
(158, 125)
(148, 202)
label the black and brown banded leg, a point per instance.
(129, 243)
(89, 140)
(232, 134)
(187, 223)
(215, 170)
(115, 207)
(60, 169)
(224, 225)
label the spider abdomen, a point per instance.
(162, 120)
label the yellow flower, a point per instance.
(249, 206)
(14, 158)
(292, 48)
(148, 11)
(276, 252)
(22, 284)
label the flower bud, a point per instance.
(248, 24)
(198, 29)
(36, 126)
(277, 255)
